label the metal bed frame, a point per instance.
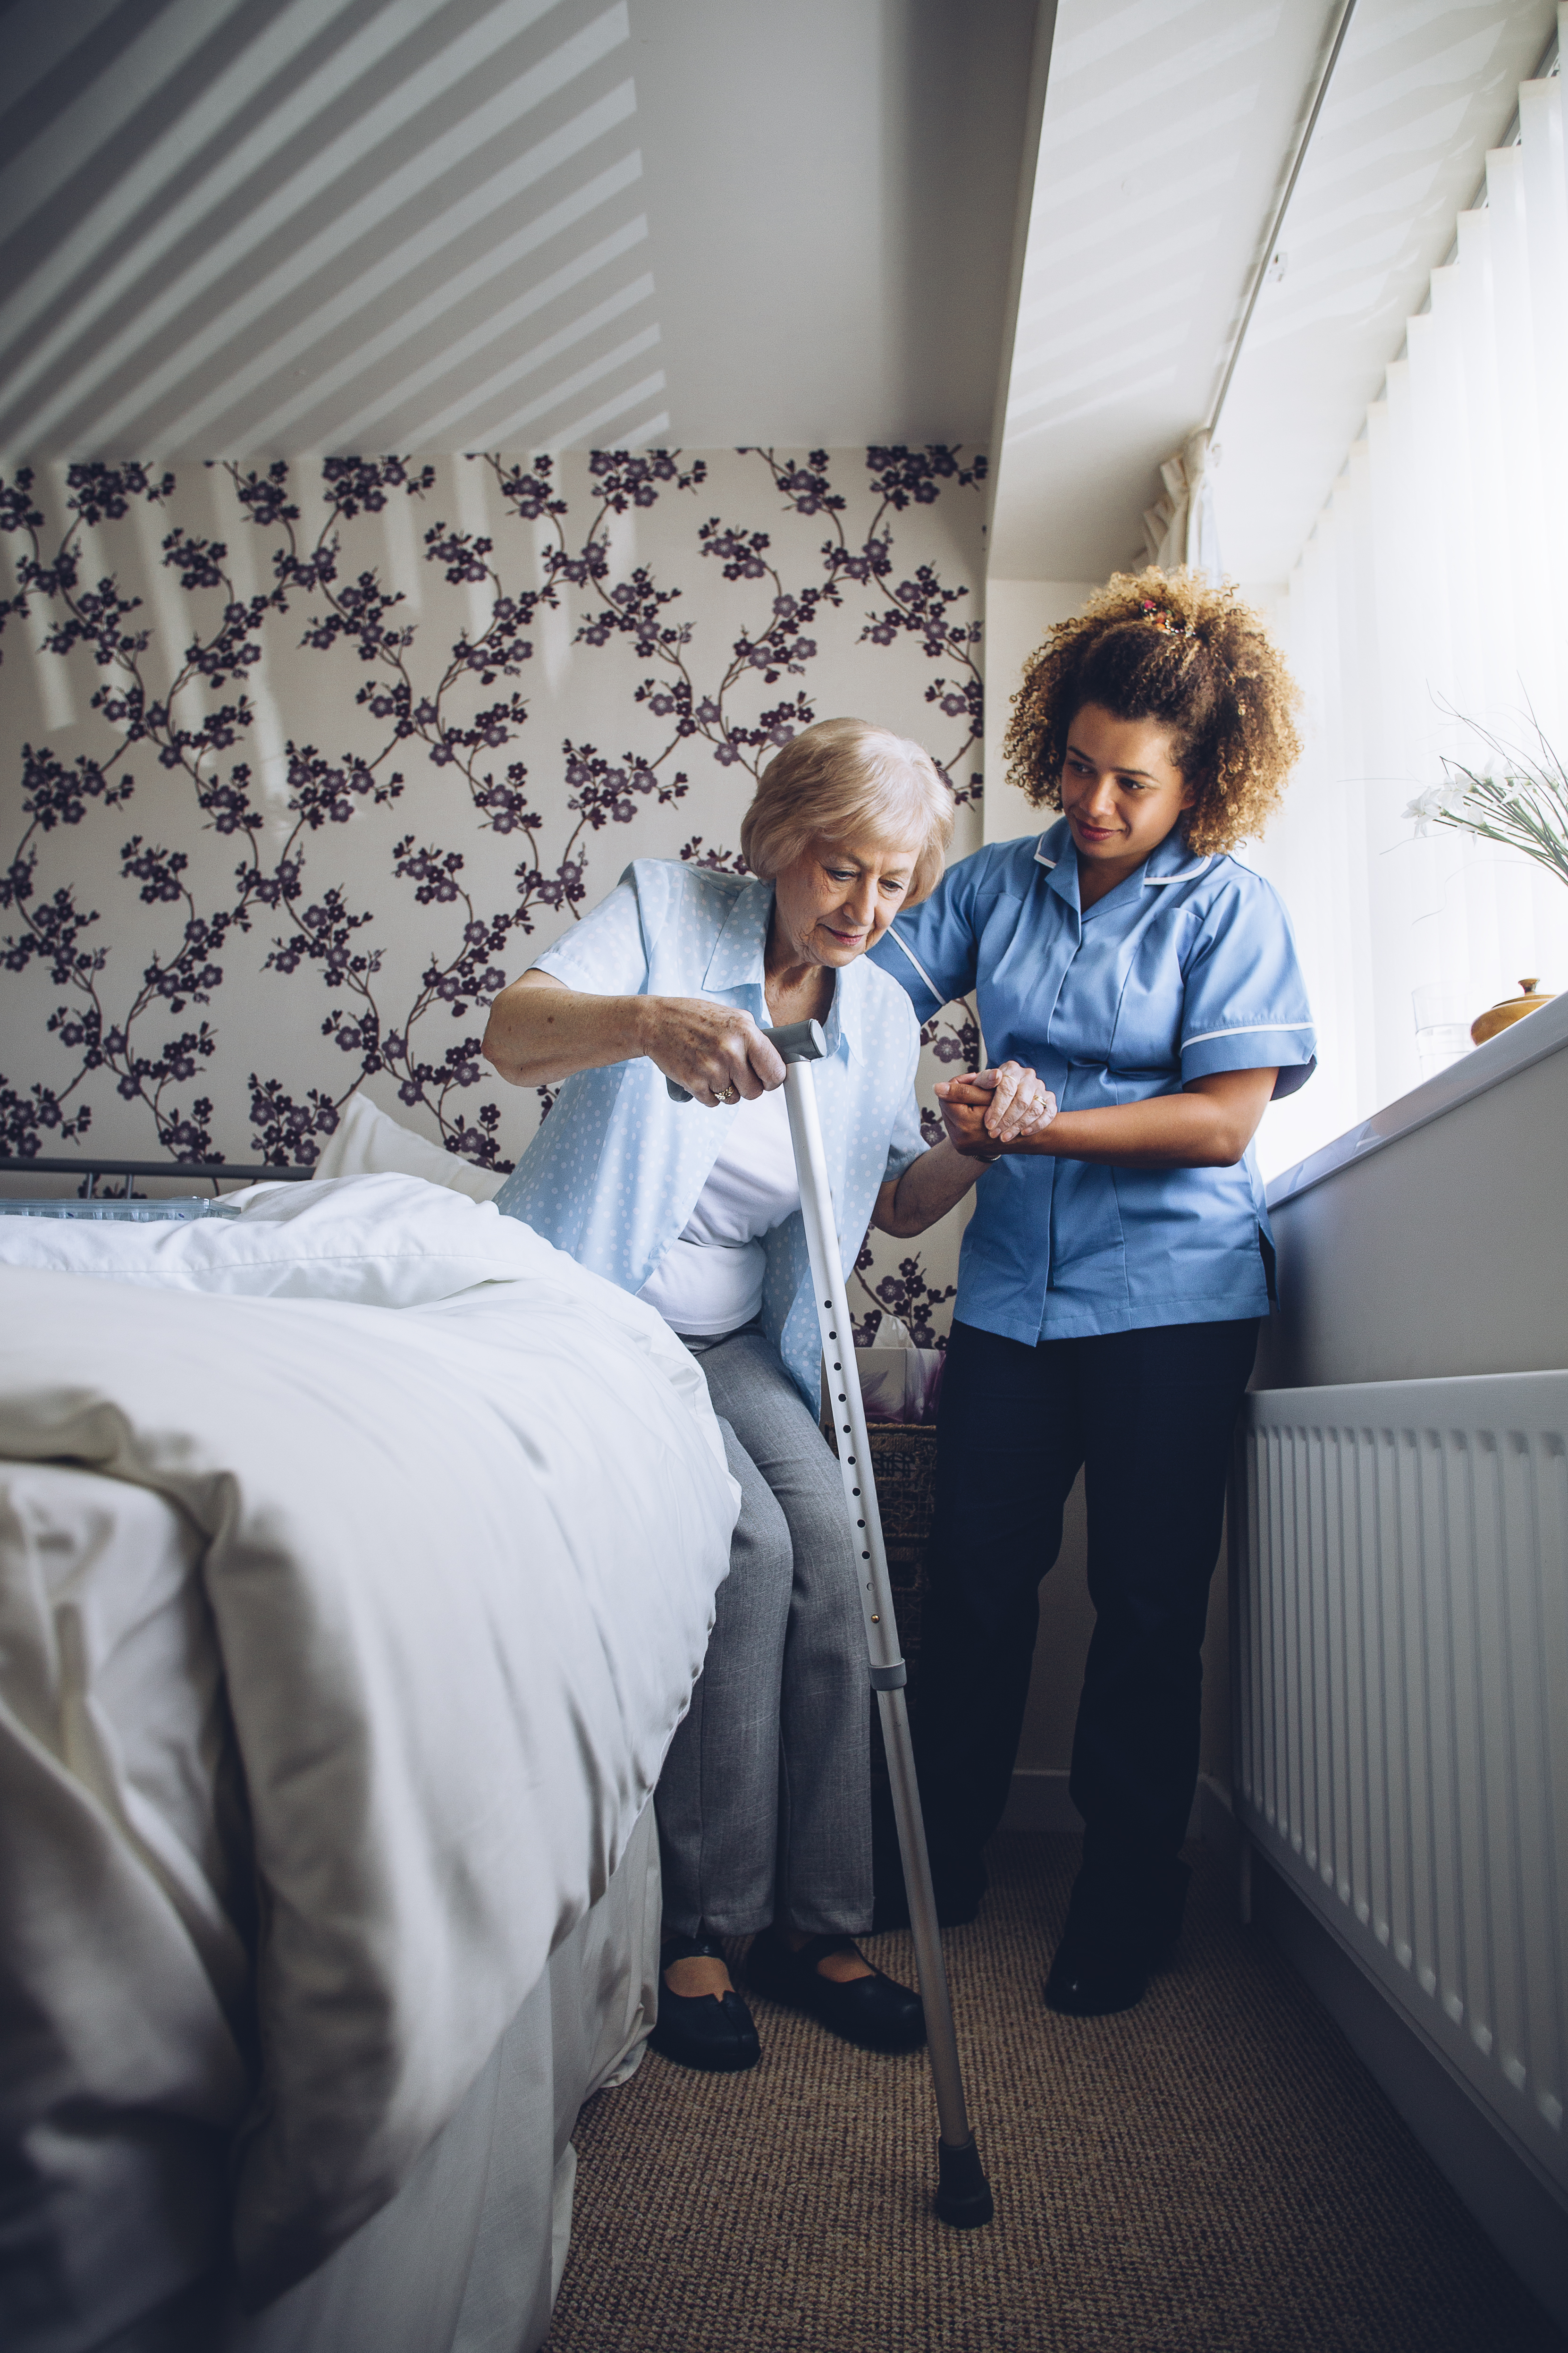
(110, 1165)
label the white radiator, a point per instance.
(1399, 1572)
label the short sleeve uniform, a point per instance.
(614, 1172)
(1187, 966)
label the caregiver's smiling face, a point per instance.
(1122, 794)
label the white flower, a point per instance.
(1439, 801)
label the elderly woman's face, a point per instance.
(835, 900)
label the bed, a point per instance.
(357, 1558)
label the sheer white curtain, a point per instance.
(1180, 527)
(1434, 589)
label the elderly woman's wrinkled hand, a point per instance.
(717, 1054)
(985, 1111)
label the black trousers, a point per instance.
(1149, 1415)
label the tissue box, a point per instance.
(899, 1384)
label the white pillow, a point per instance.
(366, 1143)
(380, 1241)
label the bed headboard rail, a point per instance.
(90, 1171)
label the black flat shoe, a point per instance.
(872, 2011)
(710, 2030)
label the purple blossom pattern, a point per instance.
(278, 822)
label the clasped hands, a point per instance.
(721, 1056)
(985, 1110)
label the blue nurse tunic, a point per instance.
(1186, 967)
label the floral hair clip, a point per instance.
(1163, 617)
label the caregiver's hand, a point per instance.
(985, 1110)
(716, 1053)
(1209, 1124)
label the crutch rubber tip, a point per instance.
(962, 2192)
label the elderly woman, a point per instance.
(763, 1804)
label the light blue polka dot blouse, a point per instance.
(614, 1172)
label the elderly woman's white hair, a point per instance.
(845, 781)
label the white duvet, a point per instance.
(461, 1510)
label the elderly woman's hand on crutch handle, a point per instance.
(543, 1031)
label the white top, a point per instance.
(612, 1174)
(709, 1280)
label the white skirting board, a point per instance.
(1399, 1588)
(1503, 2190)
(1505, 2193)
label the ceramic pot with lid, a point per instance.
(1501, 1017)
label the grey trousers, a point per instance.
(765, 1803)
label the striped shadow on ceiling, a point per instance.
(256, 227)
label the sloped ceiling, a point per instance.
(1168, 125)
(1419, 94)
(1165, 121)
(245, 227)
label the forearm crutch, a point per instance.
(963, 2196)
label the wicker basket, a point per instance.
(904, 1458)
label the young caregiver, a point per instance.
(1113, 1273)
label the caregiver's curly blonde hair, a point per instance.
(1167, 647)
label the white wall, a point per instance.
(1017, 615)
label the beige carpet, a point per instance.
(1210, 2169)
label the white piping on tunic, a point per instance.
(893, 935)
(1150, 882)
(1248, 1029)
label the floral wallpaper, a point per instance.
(304, 760)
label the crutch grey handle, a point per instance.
(797, 1041)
